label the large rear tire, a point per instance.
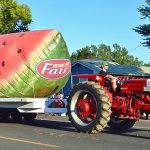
(89, 107)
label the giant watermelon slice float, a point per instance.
(33, 64)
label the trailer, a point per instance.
(33, 66)
(28, 108)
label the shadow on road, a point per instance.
(133, 132)
(58, 125)
(66, 126)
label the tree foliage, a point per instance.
(147, 64)
(14, 17)
(144, 29)
(117, 54)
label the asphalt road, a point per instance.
(56, 133)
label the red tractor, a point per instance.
(92, 105)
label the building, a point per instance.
(92, 66)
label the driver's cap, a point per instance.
(103, 63)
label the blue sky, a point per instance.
(86, 22)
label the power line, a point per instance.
(134, 48)
(144, 54)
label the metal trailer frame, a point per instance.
(31, 105)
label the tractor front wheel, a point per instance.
(89, 107)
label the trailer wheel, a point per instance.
(119, 124)
(89, 107)
(16, 117)
(4, 117)
(30, 116)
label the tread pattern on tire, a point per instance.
(104, 107)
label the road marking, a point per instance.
(142, 127)
(30, 142)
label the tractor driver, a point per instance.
(104, 68)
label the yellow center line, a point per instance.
(30, 142)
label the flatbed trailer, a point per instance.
(17, 108)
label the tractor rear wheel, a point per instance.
(120, 124)
(89, 107)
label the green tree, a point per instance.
(94, 52)
(104, 52)
(147, 64)
(84, 53)
(118, 54)
(14, 17)
(144, 29)
(74, 56)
